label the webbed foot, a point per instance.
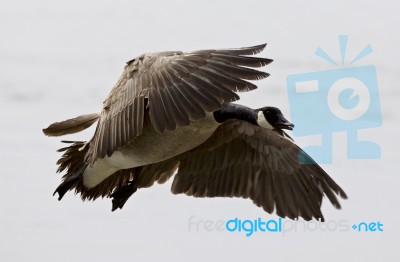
(122, 194)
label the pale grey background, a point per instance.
(59, 59)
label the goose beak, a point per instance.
(283, 123)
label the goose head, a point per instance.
(272, 118)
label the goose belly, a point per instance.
(151, 147)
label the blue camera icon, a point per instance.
(329, 101)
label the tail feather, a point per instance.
(118, 186)
(74, 161)
(71, 126)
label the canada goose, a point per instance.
(172, 112)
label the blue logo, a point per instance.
(368, 227)
(279, 226)
(251, 226)
(344, 99)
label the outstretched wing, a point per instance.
(238, 160)
(244, 160)
(176, 87)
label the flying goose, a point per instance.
(172, 113)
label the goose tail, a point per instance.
(74, 161)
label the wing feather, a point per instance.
(243, 60)
(176, 88)
(252, 50)
(71, 126)
(243, 160)
(237, 71)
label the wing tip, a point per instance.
(250, 50)
(46, 131)
(71, 126)
(257, 48)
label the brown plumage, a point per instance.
(165, 93)
(71, 126)
(244, 160)
(176, 87)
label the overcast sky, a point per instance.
(59, 59)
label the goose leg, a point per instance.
(122, 194)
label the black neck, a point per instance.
(234, 111)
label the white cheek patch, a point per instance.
(261, 121)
